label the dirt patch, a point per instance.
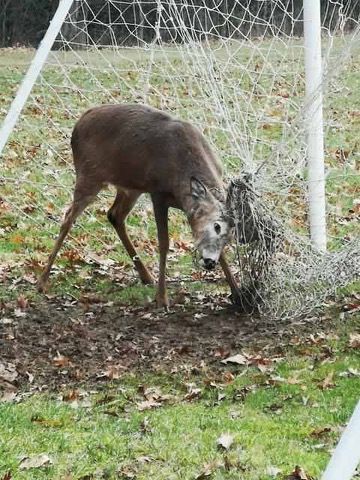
(61, 343)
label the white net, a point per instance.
(233, 67)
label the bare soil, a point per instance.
(60, 343)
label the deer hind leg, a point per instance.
(161, 216)
(82, 198)
(123, 204)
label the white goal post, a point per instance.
(33, 72)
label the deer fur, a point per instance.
(140, 149)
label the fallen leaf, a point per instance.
(19, 313)
(61, 361)
(239, 359)
(8, 396)
(298, 474)
(148, 405)
(327, 382)
(8, 372)
(193, 393)
(228, 377)
(263, 364)
(71, 395)
(208, 470)
(350, 372)
(6, 321)
(320, 432)
(22, 302)
(354, 340)
(225, 441)
(36, 461)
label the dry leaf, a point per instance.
(19, 313)
(225, 441)
(193, 393)
(22, 302)
(298, 474)
(354, 340)
(8, 396)
(352, 372)
(208, 470)
(114, 372)
(147, 405)
(71, 395)
(239, 359)
(36, 461)
(8, 372)
(61, 361)
(320, 432)
(327, 382)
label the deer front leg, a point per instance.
(235, 292)
(161, 216)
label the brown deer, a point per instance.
(141, 149)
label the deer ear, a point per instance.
(197, 189)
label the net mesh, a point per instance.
(234, 68)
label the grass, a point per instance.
(277, 419)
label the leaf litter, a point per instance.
(62, 341)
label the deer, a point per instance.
(140, 149)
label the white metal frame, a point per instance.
(314, 121)
(346, 456)
(33, 71)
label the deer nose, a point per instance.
(209, 264)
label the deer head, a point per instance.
(212, 227)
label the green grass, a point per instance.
(274, 423)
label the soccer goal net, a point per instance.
(235, 68)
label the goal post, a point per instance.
(314, 123)
(33, 72)
(346, 457)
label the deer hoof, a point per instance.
(147, 279)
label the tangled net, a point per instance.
(281, 274)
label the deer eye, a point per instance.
(217, 228)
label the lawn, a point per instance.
(95, 382)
